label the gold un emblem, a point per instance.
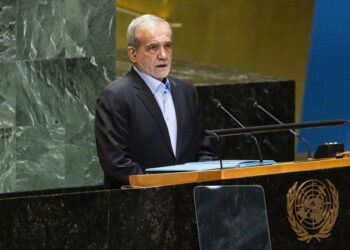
(312, 209)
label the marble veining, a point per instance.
(90, 28)
(85, 79)
(55, 56)
(7, 31)
(8, 94)
(51, 29)
(7, 159)
(40, 29)
(40, 157)
(40, 93)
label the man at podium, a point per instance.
(148, 118)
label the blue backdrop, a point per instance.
(327, 90)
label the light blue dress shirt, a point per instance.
(162, 94)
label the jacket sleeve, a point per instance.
(111, 132)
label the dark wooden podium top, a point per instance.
(166, 179)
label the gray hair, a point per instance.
(148, 21)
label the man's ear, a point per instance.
(132, 54)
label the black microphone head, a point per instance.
(216, 102)
(252, 102)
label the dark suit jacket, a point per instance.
(131, 133)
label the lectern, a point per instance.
(307, 207)
(307, 202)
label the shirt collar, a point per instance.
(153, 83)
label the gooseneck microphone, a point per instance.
(219, 106)
(255, 104)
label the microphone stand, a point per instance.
(218, 105)
(219, 147)
(309, 154)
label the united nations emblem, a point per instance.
(312, 209)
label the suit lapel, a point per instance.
(147, 98)
(176, 95)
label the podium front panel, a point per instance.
(231, 217)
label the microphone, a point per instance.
(219, 106)
(255, 104)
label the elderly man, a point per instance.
(148, 119)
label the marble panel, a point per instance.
(90, 28)
(40, 157)
(8, 82)
(138, 219)
(7, 159)
(40, 92)
(40, 29)
(82, 167)
(60, 221)
(185, 217)
(275, 96)
(7, 31)
(85, 79)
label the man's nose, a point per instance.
(162, 53)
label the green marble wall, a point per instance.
(55, 56)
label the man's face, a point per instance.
(154, 54)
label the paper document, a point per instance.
(209, 165)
